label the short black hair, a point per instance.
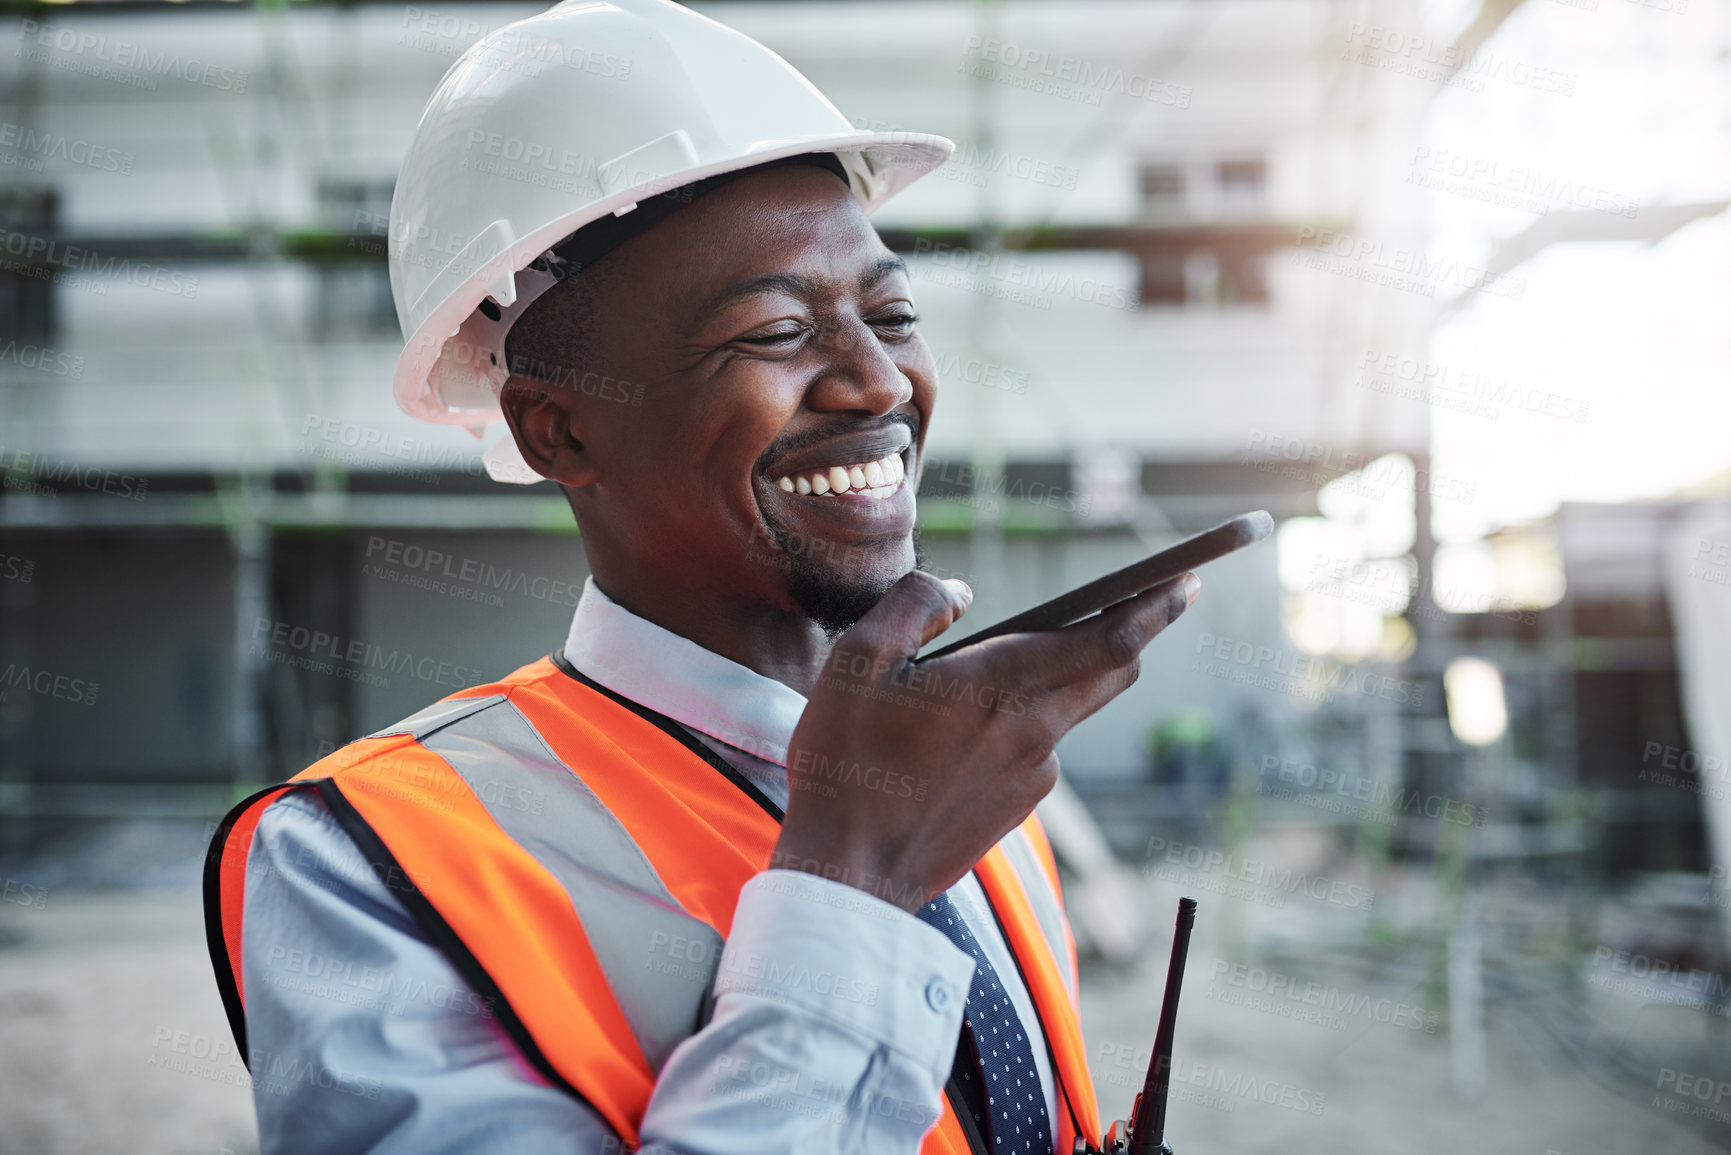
(553, 340)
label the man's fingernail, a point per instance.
(963, 590)
(1192, 589)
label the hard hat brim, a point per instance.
(879, 165)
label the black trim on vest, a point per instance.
(390, 872)
(384, 863)
(967, 1051)
(676, 731)
(214, 939)
(952, 1089)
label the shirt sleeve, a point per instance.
(835, 1022)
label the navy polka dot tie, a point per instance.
(1014, 1100)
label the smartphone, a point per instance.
(1101, 593)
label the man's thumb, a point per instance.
(916, 609)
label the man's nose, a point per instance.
(858, 374)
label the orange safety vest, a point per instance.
(578, 857)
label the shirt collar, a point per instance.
(677, 677)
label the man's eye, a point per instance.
(773, 337)
(897, 321)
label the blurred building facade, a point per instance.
(1142, 274)
(1373, 266)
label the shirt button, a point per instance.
(938, 995)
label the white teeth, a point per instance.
(875, 479)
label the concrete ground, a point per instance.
(113, 1039)
(1296, 1037)
(1248, 1080)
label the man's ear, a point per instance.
(543, 421)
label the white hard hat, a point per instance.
(551, 123)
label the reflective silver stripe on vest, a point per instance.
(443, 713)
(1048, 907)
(658, 960)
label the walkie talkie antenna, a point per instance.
(1148, 1119)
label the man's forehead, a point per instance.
(796, 231)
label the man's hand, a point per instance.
(904, 775)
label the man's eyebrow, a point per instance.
(882, 269)
(790, 283)
(795, 285)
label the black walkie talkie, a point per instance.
(1145, 1133)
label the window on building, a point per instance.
(1204, 278)
(1162, 184)
(1163, 281)
(354, 291)
(1241, 181)
(27, 290)
(355, 206)
(1244, 279)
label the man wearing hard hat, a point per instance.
(726, 873)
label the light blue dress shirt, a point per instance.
(363, 1037)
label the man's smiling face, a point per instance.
(773, 336)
